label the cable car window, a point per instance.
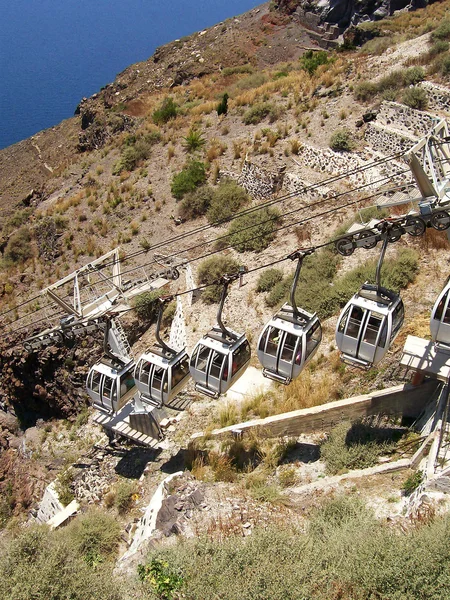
(383, 336)
(447, 315)
(107, 387)
(180, 371)
(95, 382)
(372, 328)
(313, 338)
(288, 347)
(126, 383)
(157, 378)
(354, 322)
(262, 342)
(343, 321)
(440, 308)
(202, 359)
(240, 357)
(273, 341)
(216, 365)
(397, 319)
(144, 372)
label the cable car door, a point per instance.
(290, 352)
(373, 336)
(217, 371)
(440, 320)
(352, 326)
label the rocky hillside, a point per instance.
(259, 107)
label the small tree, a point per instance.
(212, 269)
(222, 107)
(415, 97)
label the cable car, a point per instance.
(110, 384)
(440, 318)
(161, 373)
(220, 357)
(368, 325)
(370, 320)
(290, 339)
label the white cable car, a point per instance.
(110, 382)
(161, 373)
(220, 357)
(369, 322)
(440, 318)
(291, 338)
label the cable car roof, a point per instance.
(217, 340)
(112, 368)
(286, 313)
(382, 297)
(157, 356)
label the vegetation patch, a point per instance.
(254, 231)
(213, 269)
(313, 59)
(188, 179)
(196, 203)
(146, 305)
(227, 199)
(168, 110)
(268, 279)
(259, 112)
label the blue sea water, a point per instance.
(54, 52)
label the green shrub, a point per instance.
(18, 249)
(442, 32)
(212, 269)
(190, 177)
(95, 536)
(439, 47)
(365, 90)
(341, 141)
(63, 487)
(254, 231)
(268, 279)
(194, 140)
(312, 59)
(222, 107)
(227, 199)
(19, 218)
(161, 577)
(252, 81)
(167, 111)
(146, 305)
(354, 446)
(412, 482)
(257, 113)
(413, 75)
(196, 203)
(134, 150)
(124, 496)
(444, 65)
(415, 97)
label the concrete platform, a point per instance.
(423, 356)
(251, 383)
(120, 423)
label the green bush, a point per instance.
(190, 177)
(346, 553)
(355, 446)
(167, 111)
(18, 249)
(212, 269)
(312, 59)
(161, 577)
(63, 487)
(268, 279)
(444, 65)
(19, 218)
(136, 149)
(341, 141)
(415, 97)
(194, 140)
(95, 536)
(442, 32)
(40, 564)
(413, 75)
(222, 107)
(257, 113)
(146, 305)
(227, 199)
(252, 81)
(124, 496)
(412, 482)
(439, 47)
(365, 90)
(254, 231)
(196, 203)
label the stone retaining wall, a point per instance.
(384, 139)
(402, 118)
(438, 96)
(259, 183)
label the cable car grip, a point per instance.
(225, 280)
(298, 255)
(162, 303)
